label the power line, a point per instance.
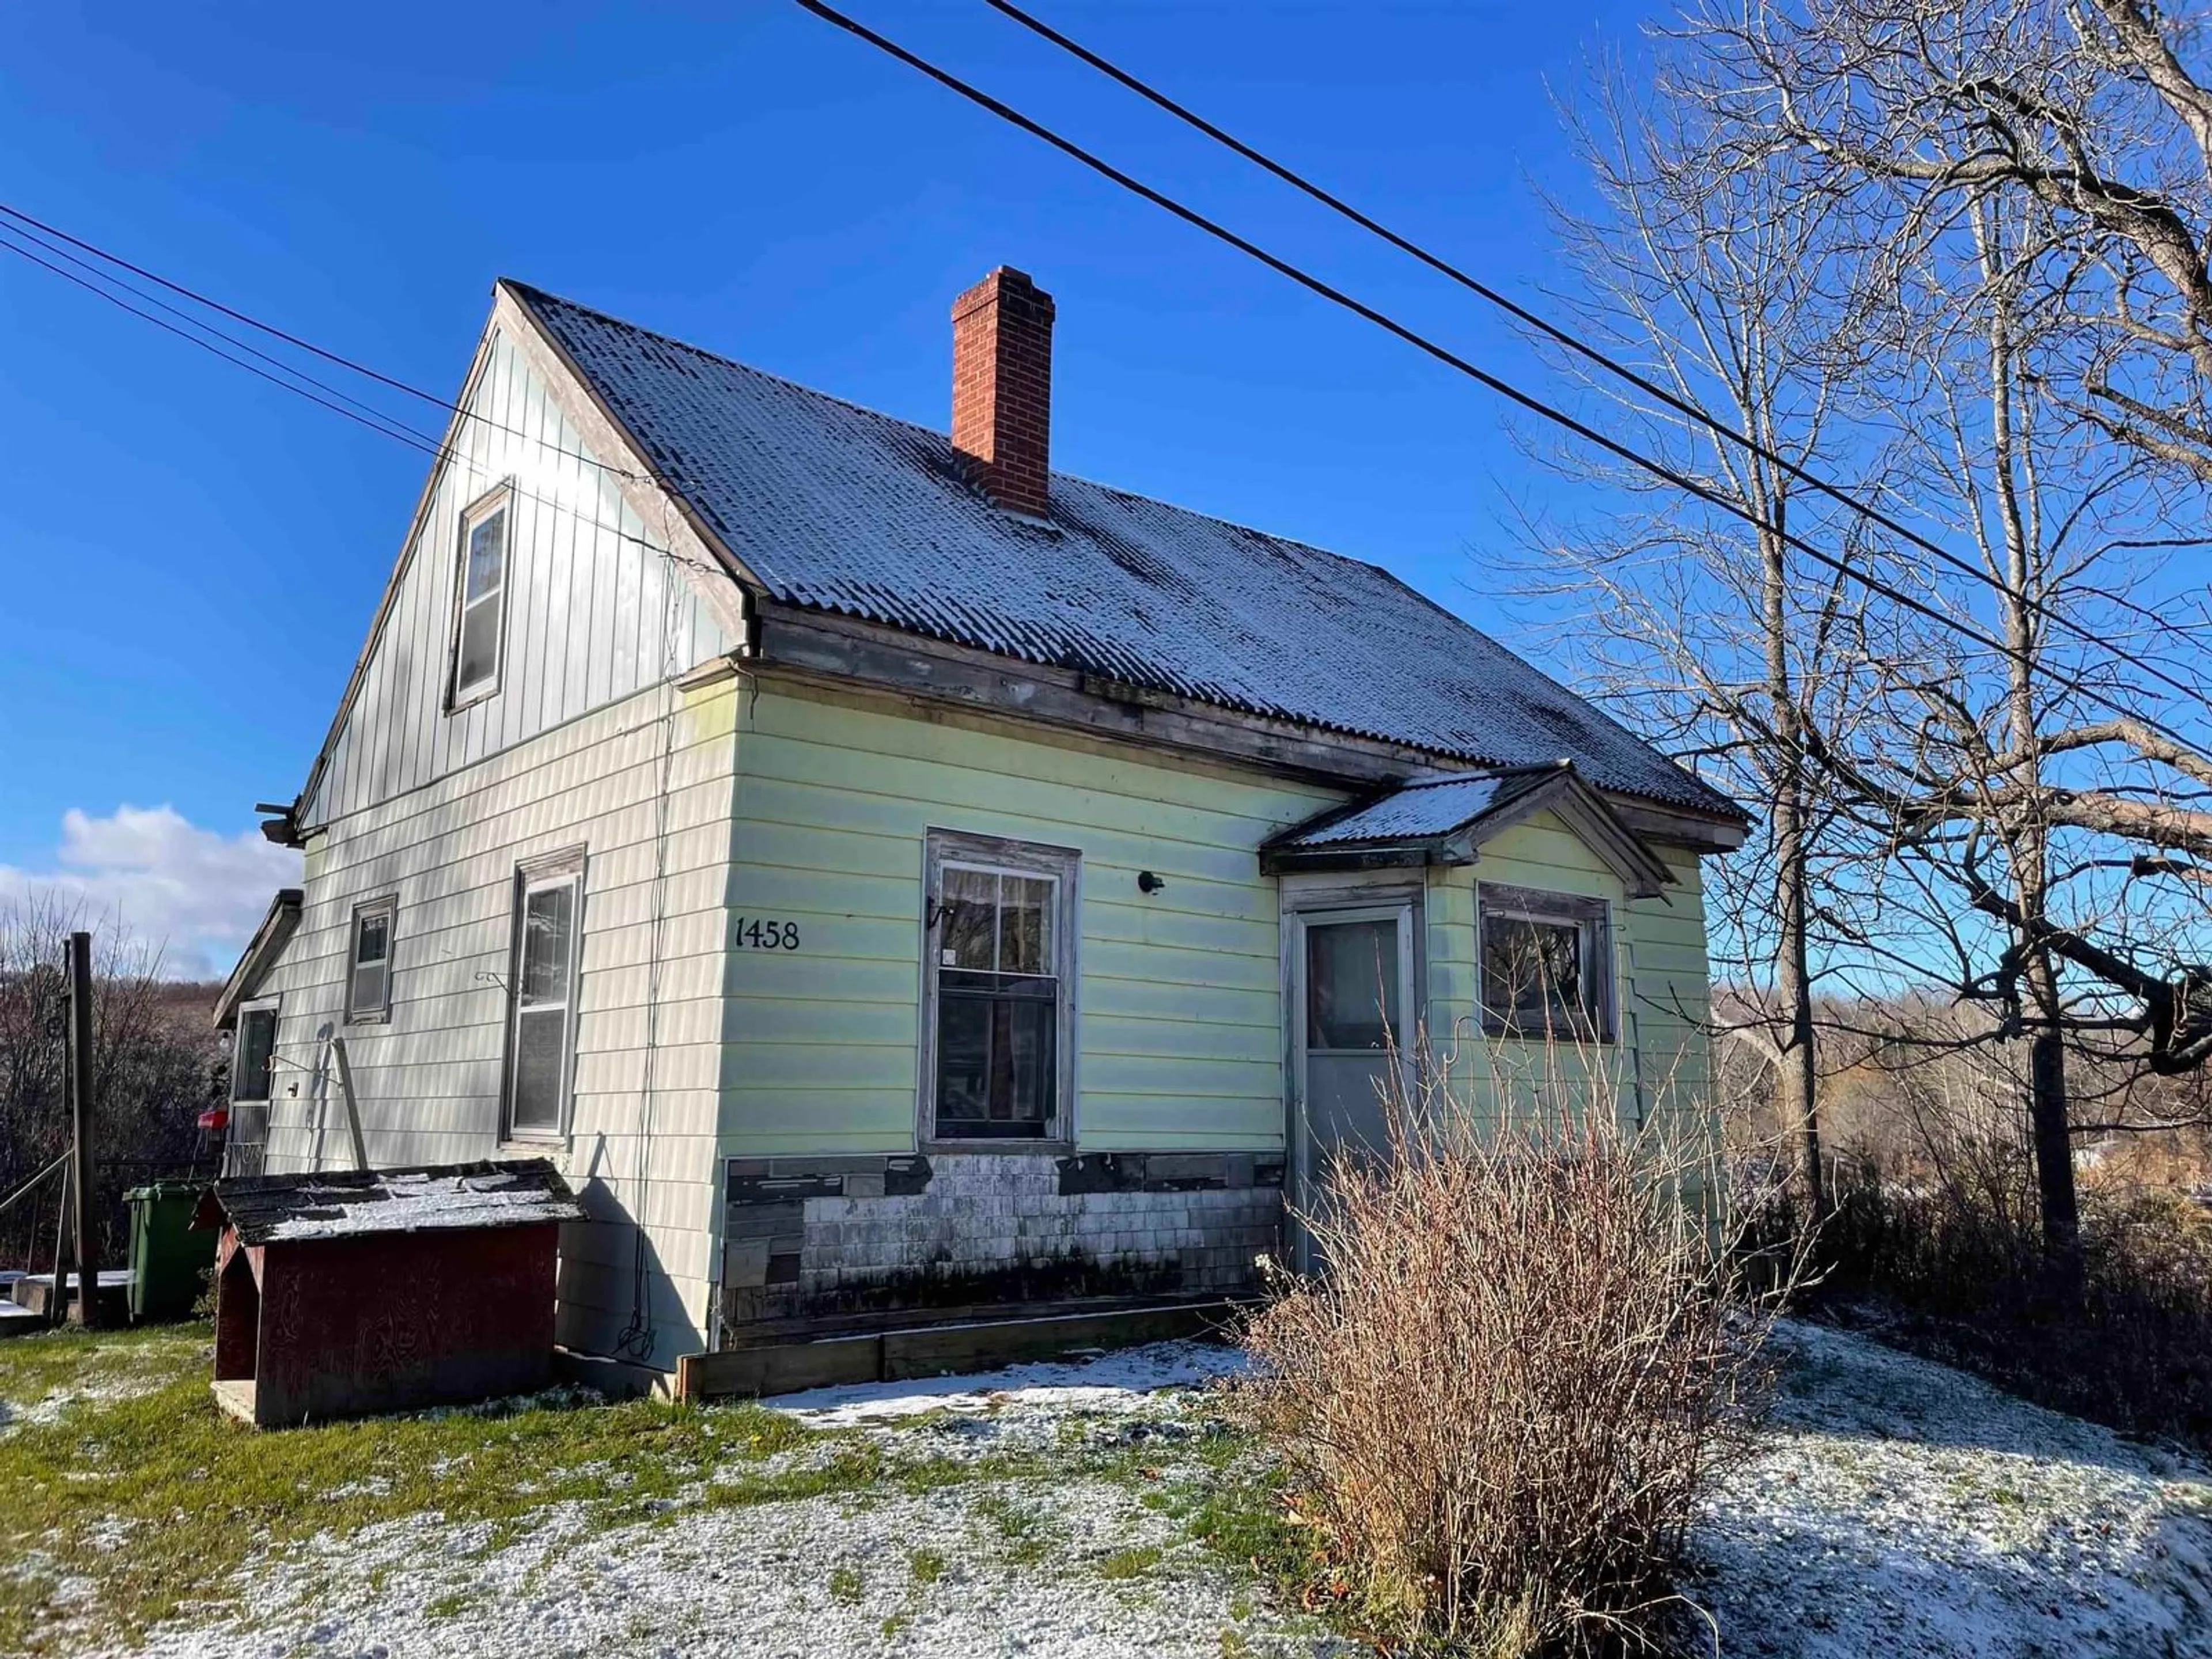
(1571, 341)
(382, 425)
(1494, 383)
(185, 317)
(270, 329)
(376, 424)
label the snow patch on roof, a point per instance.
(1419, 811)
(357, 1204)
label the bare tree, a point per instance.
(1717, 284)
(155, 1060)
(2019, 187)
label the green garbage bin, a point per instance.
(168, 1260)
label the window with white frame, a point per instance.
(482, 597)
(999, 991)
(1546, 964)
(548, 907)
(368, 963)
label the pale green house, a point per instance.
(889, 876)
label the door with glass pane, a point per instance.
(547, 908)
(1352, 994)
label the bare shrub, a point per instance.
(1958, 1272)
(1529, 1354)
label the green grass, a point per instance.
(845, 1585)
(202, 1495)
(1132, 1563)
(199, 1491)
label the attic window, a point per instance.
(481, 622)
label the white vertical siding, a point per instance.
(593, 612)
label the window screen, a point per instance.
(1351, 984)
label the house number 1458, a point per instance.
(758, 933)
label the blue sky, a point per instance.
(191, 558)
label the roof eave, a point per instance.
(270, 939)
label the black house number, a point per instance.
(759, 933)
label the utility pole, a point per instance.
(80, 1076)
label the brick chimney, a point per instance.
(1002, 389)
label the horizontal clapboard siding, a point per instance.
(1180, 995)
(429, 1079)
(1659, 1059)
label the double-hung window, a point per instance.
(482, 598)
(999, 987)
(369, 964)
(1546, 964)
(549, 913)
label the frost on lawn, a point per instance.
(1897, 1508)
(1900, 1506)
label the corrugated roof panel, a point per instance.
(1421, 811)
(841, 509)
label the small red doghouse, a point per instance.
(353, 1291)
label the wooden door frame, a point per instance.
(1337, 897)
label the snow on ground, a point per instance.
(127, 1382)
(1895, 1507)
(1900, 1507)
(1079, 1566)
(1120, 1382)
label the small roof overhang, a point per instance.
(267, 943)
(1444, 820)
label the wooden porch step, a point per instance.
(941, 1348)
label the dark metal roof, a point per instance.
(837, 508)
(334, 1204)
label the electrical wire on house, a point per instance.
(1499, 385)
(1569, 340)
(639, 1337)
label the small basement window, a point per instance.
(549, 904)
(998, 991)
(1546, 964)
(251, 1053)
(481, 623)
(368, 970)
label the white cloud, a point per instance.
(195, 894)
